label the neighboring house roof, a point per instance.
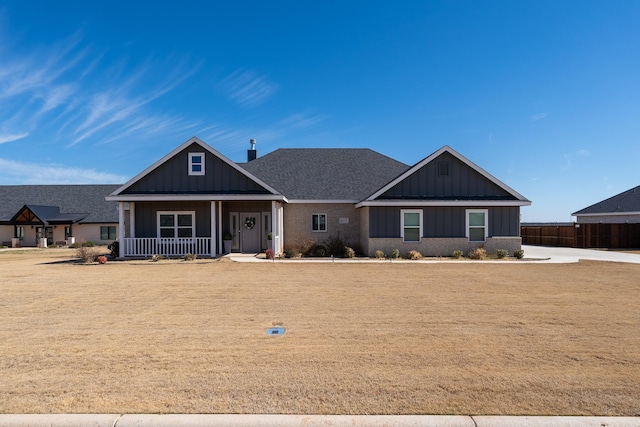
(325, 174)
(47, 215)
(88, 200)
(625, 203)
(419, 185)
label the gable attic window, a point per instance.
(443, 169)
(196, 163)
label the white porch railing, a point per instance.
(149, 246)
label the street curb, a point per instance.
(241, 420)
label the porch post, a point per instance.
(121, 229)
(213, 229)
(220, 224)
(281, 227)
(275, 235)
(132, 219)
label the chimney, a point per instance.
(252, 153)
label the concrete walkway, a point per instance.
(533, 254)
(238, 420)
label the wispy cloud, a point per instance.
(10, 137)
(538, 116)
(569, 158)
(246, 88)
(31, 173)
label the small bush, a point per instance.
(395, 254)
(334, 246)
(502, 253)
(190, 257)
(114, 247)
(319, 251)
(518, 254)
(414, 255)
(457, 254)
(349, 252)
(379, 254)
(87, 254)
(74, 245)
(269, 253)
(102, 259)
(88, 244)
(478, 253)
(157, 258)
(292, 252)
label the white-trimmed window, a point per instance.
(477, 224)
(411, 225)
(196, 163)
(319, 222)
(107, 232)
(176, 224)
(20, 232)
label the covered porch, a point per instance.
(206, 228)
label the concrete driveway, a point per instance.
(566, 255)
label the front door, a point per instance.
(250, 232)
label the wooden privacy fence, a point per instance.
(614, 236)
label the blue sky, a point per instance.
(545, 95)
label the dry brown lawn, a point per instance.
(361, 338)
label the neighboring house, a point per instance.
(188, 200)
(59, 213)
(619, 209)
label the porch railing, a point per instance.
(149, 246)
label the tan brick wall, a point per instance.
(297, 223)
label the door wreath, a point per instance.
(249, 223)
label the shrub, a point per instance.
(502, 253)
(269, 253)
(518, 254)
(478, 253)
(457, 254)
(292, 252)
(102, 259)
(114, 247)
(157, 258)
(190, 257)
(334, 246)
(349, 252)
(74, 245)
(87, 254)
(414, 255)
(88, 244)
(379, 254)
(395, 254)
(319, 250)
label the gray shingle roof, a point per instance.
(627, 201)
(75, 199)
(325, 173)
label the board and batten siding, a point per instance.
(172, 177)
(147, 216)
(443, 221)
(462, 182)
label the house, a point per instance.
(191, 198)
(620, 209)
(59, 213)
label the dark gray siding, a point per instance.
(443, 221)
(461, 183)
(147, 218)
(172, 177)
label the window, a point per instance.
(443, 169)
(20, 232)
(107, 232)
(477, 229)
(411, 224)
(319, 222)
(196, 163)
(176, 224)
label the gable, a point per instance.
(194, 168)
(446, 177)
